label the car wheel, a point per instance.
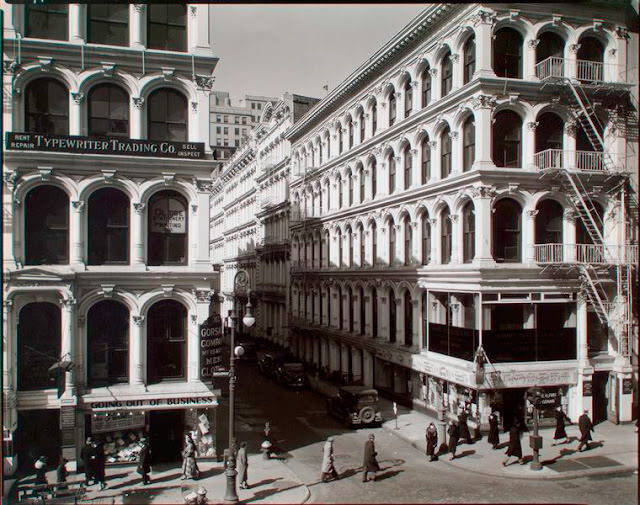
(367, 415)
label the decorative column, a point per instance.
(482, 205)
(138, 354)
(137, 32)
(399, 252)
(75, 117)
(416, 105)
(483, 26)
(436, 84)
(67, 347)
(137, 240)
(530, 235)
(77, 15)
(585, 370)
(416, 244)
(483, 106)
(456, 161)
(137, 114)
(9, 368)
(75, 235)
(436, 231)
(569, 236)
(456, 236)
(457, 72)
(529, 60)
(571, 66)
(203, 300)
(529, 146)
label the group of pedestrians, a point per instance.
(92, 455)
(370, 463)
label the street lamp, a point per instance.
(535, 440)
(240, 281)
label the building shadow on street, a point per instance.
(144, 496)
(465, 453)
(261, 495)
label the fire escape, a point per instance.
(599, 264)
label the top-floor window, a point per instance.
(507, 53)
(167, 26)
(426, 87)
(108, 111)
(408, 98)
(47, 107)
(48, 21)
(392, 107)
(108, 23)
(469, 59)
(374, 118)
(340, 140)
(167, 115)
(447, 74)
(362, 127)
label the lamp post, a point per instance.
(535, 440)
(240, 281)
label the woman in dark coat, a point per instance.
(463, 427)
(515, 448)
(494, 434)
(370, 463)
(144, 466)
(99, 461)
(560, 433)
(61, 473)
(454, 434)
(432, 441)
(189, 464)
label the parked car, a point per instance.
(268, 363)
(249, 350)
(355, 406)
(291, 375)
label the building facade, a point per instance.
(461, 214)
(231, 125)
(107, 272)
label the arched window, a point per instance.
(550, 55)
(408, 98)
(391, 226)
(426, 239)
(374, 312)
(108, 111)
(469, 228)
(351, 183)
(445, 153)
(408, 166)
(362, 245)
(507, 222)
(340, 140)
(374, 118)
(408, 241)
(362, 123)
(393, 109)
(445, 236)
(340, 249)
(549, 222)
(507, 139)
(374, 178)
(339, 186)
(408, 319)
(469, 143)
(167, 26)
(447, 74)
(350, 132)
(326, 244)
(391, 160)
(362, 184)
(320, 150)
(590, 57)
(108, 343)
(167, 115)
(166, 341)
(46, 226)
(392, 316)
(469, 59)
(168, 229)
(425, 151)
(549, 133)
(108, 227)
(108, 23)
(46, 21)
(328, 306)
(350, 247)
(507, 53)
(362, 310)
(351, 308)
(374, 244)
(47, 107)
(39, 345)
(328, 145)
(426, 87)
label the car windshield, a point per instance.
(294, 367)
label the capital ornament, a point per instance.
(138, 102)
(483, 101)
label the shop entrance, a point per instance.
(512, 407)
(600, 382)
(38, 434)
(166, 435)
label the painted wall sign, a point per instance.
(587, 388)
(103, 145)
(528, 379)
(178, 402)
(210, 346)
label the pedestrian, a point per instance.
(328, 468)
(432, 441)
(41, 470)
(242, 464)
(189, 464)
(370, 463)
(463, 427)
(99, 462)
(85, 455)
(586, 427)
(515, 448)
(560, 433)
(61, 473)
(454, 435)
(144, 463)
(494, 433)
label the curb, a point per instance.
(559, 476)
(307, 492)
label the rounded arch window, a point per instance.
(374, 178)
(445, 236)
(168, 229)
(166, 341)
(46, 226)
(408, 240)
(167, 115)
(392, 315)
(47, 107)
(468, 143)
(507, 53)
(426, 86)
(374, 312)
(507, 231)
(408, 319)
(469, 232)
(109, 111)
(447, 74)
(408, 166)
(391, 226)
(408, 98)
(39, 345)
(374, 244)
(374, 117)
(425, 151)
(590, 58)
(507, 139)
(108, 343)
(108, 227)
(426, 238)
(469, 59)
(549, 222)
(393, 109)
(549, 133)
(445, 153)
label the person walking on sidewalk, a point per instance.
(242, 464)
(432, 441)
(328, 468)
(85, 455)
(560, 435)
(61, 473)
(454, 434)
(586, 427)
(515, 448)
(494, 433)
(41, 470)
(144, 465)
(99, 462)
(189, 464)
(370, 463)
(463, 427)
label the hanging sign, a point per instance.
(210, 346)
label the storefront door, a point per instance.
(166, 435)
(38, 435)
(600, 383)
(612, 389)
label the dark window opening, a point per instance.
(108, 227)
(47, 21)
(469, 60)
(108, 343)
(47, 226)
(507, 222)
(166, 341)
(108, 24)
(167, 26)
(47, 107)
(507, 53)
(168, 229)
(108, 111)
(507, 140)
(167, 116)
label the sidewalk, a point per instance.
(614, 450)
(270, 481)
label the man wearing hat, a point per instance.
(586, 427)
(144, 466)
(370, 463)
(328, 469)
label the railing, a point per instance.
(587, 161)
(585, 70)
(548, 253)
(551, 67)
(591, 254)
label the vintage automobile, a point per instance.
(355, 406)
(291, 375)
(269, 362)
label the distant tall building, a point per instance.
(231, 125)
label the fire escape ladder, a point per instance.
(624, 275)
(585, 114)
(585, 209)
(592, 289)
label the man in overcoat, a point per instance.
(144, 465)
(328, 468)
(586, 427)
(494, 433)
(89, 466)
(454, 434)
(370, 463)
(432, 441)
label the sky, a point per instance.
(272, 49)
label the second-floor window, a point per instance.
(167, 26)
(48, 21)
(108, 23)
(47, 107)
(167, 115)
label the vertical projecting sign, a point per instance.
(210, 346)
